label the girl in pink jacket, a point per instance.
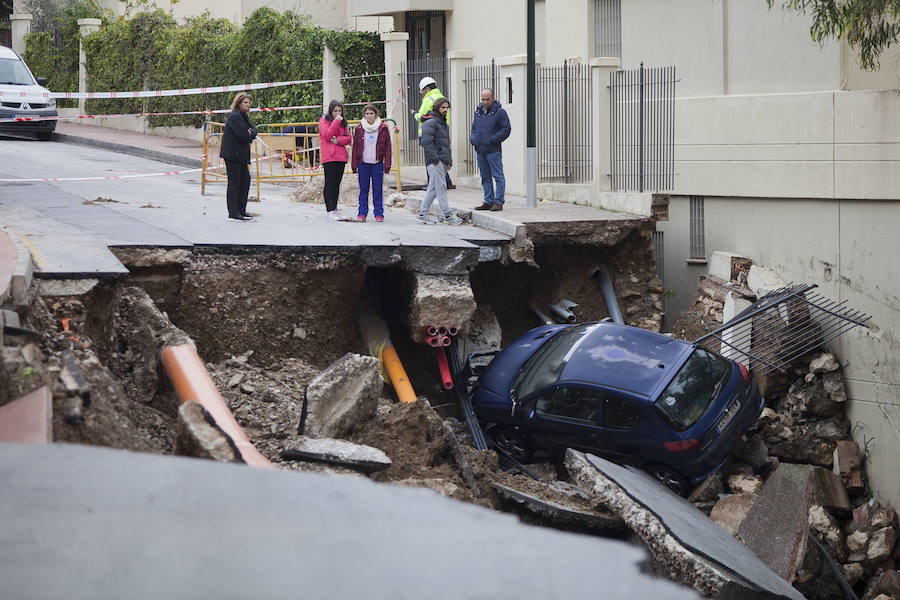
(334, 137)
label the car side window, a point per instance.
(572, 403)
(619, 413)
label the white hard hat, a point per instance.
(426, 81)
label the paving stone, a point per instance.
(339, 452)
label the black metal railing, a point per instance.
(564, 143)
(642, 129)
(413, 71)
(478, 77)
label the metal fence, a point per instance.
(642, 129)
(477, 78)
(412, 71)
(564, 114)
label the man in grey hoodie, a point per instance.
(435, 142)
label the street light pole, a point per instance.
(530, 117)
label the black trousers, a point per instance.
(238, 187)
(334, 172)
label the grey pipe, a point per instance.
(544, 319)
(609, 294)
(562, 315)
(567, 304)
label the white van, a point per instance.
(21, 95)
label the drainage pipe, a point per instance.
(376, 337)
(446, 378)
(562, 315)
(609, 294)
(192, 382)
(544, 319)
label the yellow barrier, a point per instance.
(281, 152)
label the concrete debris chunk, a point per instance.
(775, 527)
(846, 457)
(823, 363)
(708, 490)
(341, 397)
(444, 300)
(338, 452)
(686, 546)
(235, 380)
(742, 483)
(829, 493)
(858, 540)
(730, 511)
(887, 584)
(198, 436)
(827, 526)
(557, 514)
(881, 544)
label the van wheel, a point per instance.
(670, 478)
(44, 136)
(512, 443)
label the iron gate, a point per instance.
(478, 77)
(412, 71)
(642, 129)
(564, 114)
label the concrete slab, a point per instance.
(8, 257)
(697, 533)
(83, 522)
(775, 527)
(29, 419)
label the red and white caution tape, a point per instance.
(181, 92)
(24, 119)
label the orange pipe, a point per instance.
(397, 374)
(192, 382)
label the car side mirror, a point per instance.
(41, 81)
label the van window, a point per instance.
(14, 72)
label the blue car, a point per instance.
(629, 395)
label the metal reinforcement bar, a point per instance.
(192, 382)
(782, 326)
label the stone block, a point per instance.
(762, 280)
(846, 457)
(730, 511)
(881, 544)
(857, 541)
(29, 419)
(708, 490)
(198, 435)
(823, 363)
(720, 264)
(341, 397)
(829, 492)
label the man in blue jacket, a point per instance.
(490, 127)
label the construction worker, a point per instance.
(429, 89)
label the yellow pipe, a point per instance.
(192, 382)
(397, 374)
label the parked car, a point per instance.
(629, 395)
(24, 96)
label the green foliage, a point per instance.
(151, 51)
(358, 54)
(53, 53)
(869, 26)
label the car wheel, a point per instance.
(670, 478)
(512, 443)
(44, 136)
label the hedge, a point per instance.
(151, 51)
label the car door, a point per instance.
(586, 418)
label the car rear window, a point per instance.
(546, 365)
(695, 386)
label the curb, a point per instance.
(166, 157)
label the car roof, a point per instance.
(624, 357)
(6, 52)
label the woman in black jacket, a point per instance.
(236, 139)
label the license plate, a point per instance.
(726, 419)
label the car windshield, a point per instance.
(13, 72)
(546, 365)
(695, 386)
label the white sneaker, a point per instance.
(451, 220)
(334, 216)
(339, 214)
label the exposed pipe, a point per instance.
(445, 340)
(397, 375)
(192, 382)
(609, 294)
(544, 319)
(561, 314)
(451, 331)
(446, 377)
(567, 304)
(431, 330)
(433, 340)
(376, 337)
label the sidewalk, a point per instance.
(516, 219)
